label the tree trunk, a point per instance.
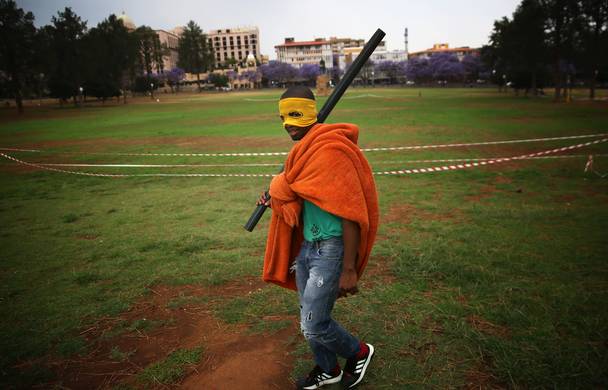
(592, 84)
(19, 101)
(558, 83)
(198, 81)
(533, 84)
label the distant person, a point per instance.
(324, 223)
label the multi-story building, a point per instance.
(348, 54)
(170, 41)
(234, 44)
(437, 48)
(308, 52)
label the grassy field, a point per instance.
(488, 277)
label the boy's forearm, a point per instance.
(351, 237)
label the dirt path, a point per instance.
(232, 358)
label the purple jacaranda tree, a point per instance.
(174, 77)
(336, 73)
(446, 66)
(309, 72)
(278, 72)
(473, 67)
(232, 75)
(252, 76)
(391, 69)
(418, 70)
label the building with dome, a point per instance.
(127, 21)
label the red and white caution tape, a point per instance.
(516, 141)
(257, 154)
(488, 162)
(137, 174)
(395, 172)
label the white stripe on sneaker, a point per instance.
(361, 371)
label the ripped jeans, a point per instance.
(318, 270)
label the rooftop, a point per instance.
(289, 42)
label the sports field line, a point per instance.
(100, 165)
(256, 154)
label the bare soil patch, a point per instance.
(405, 213)
(488, 190)
(378, 272)
(487, 327)
(232, 358)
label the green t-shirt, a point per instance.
(319, 224)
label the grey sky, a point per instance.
(459, 23)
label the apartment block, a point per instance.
(306, 52)
(235, 43)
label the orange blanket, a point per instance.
(326, 168)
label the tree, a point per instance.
(365, 74)
(391, 69)
(107, 55)
(594, 37)
(66, 76)
(418, 70)
(561, 19)
(518, 47)
(16, 47)
(309, 72)
(473, 67)
(446, 66)
(195, 54)
(529, 38)
(219, 80)
(174, 77)
(150, 56)
(278, 72)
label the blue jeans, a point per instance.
(318, 270)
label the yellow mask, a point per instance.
(299, 112)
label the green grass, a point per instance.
(171, 369)
(495, 272)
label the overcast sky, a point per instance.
(459, 23)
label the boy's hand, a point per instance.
(263, 200)
(348, 283)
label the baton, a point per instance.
(329, 105)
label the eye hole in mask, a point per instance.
(296, 114)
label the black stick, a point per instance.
(329, 105)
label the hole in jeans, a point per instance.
(309, 316)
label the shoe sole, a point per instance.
(371, 355)
(325, 382)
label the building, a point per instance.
(437, 48)
(235, 44)
(168, 40)
(171, 42)
(348, 55)
(339, 44)
(126, 21)
(307, 52)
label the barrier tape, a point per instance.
(137, 174)
(590, 168)
(256, 154)
(394, 172)
(489, 162)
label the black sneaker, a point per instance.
(355, 369)
(317, 378)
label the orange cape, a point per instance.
(328, 169)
